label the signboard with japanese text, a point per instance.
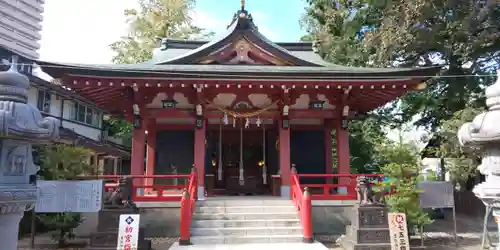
(436, 194)
(69, 196)
(398, 231)
(128, 232)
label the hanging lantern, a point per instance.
(247, 122)
(258, 122)
(234, 122)
(225, 119)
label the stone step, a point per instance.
(246, 223)
(246, 231)
(243, 202)
(246, 239)
(246, 209)
(244, 216)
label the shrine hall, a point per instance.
(241, 109)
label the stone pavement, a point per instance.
(260, 246)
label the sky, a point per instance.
(80, 31)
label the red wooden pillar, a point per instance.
(137, 157)
(151, 151)
(284, 152)
(199, 158)
(343, 154)
(328, 127)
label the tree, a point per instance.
(152, 21)
(460, 162)
(461, 36)
(63, 162)
(400, 163)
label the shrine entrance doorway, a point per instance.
(242, 163)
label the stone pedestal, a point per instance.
(369, 229)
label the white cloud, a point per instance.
(80, 31)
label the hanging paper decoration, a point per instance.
(247, 123)
(234, 122)
(225, 119)
(258, 122)
(237, 114)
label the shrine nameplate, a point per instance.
(372, 217)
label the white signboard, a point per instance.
(69, 196)
(436, 194)
(398, 231)
(128, 232)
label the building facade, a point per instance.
(241, 109)
(81, 121)
(20, 26)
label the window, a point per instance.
(43, 102)
(87, 115)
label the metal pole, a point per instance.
(485, 226)
(33, 229)
(455, 226)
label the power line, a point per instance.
(233, 67)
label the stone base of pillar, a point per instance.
(285, 191)
(201, 193)
(369, 229)
(9, 223)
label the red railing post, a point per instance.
(194, 177)
(185, 219)
(293, 173)
(307, 217)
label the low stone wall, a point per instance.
(329, 220)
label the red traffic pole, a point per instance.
(185, 219)
(307, 217)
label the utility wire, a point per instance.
(216, 73)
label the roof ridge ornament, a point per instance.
(242, 4)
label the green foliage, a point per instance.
(364, 136)
(63, 162)
(148, 24)
(415, 33)
(400, 163)
(152, 21)
(62, 225)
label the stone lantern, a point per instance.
(484, 133)
(21, 126)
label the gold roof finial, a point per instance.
(242, 4)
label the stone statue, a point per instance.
(21, 126)
(365, 193)
(484, 133)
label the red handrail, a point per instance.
(188, 206)
(347, 181)
(151, 193)
(303, 203)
